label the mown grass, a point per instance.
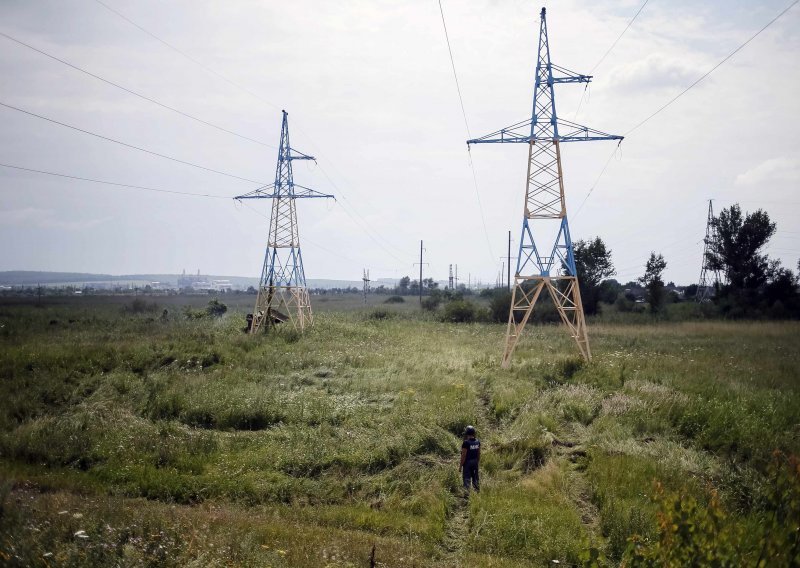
(324, 444)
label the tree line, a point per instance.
(752, 284)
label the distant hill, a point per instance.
(35, 278)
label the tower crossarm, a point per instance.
(521, 133)
(568, 76)
(268, 192)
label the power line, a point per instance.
(726, 58)
(129, 145)
(366, 224)
(122, 185)
(597, 180)
(710, 71)
(246, 90)
(195, 61)
(636, 15)
(469, 135)
(455, 75)
(132, 92)
(321, 247)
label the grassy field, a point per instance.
(142, 438)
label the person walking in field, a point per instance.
(470, 459)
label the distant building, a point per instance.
(221, 285)
(189, 281)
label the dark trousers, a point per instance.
(470, 473)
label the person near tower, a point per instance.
(470, 459)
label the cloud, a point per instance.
(772, 170)
(654, 72)
(45, 219)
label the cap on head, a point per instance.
(469, 431)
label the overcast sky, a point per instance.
(370, 92)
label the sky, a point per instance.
(371, 93)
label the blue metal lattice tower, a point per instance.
(546, 266)
(282, 293)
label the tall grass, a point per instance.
(322, 444)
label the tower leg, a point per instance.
(567, 299)
(261, 313)
(522, 302)
(567, 302)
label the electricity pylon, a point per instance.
(545, 205)
(709, 278)
(283, 280)
(450, 280)
(366, 281)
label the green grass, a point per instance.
(186, 442)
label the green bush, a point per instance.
(216, 308)
(459, 311)
(380, 314)
(394, 300)
(430, 303)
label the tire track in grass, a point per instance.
(580, 490)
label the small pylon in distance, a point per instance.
(282, 292)
(709, 278)
(366, 281)
(551, 267)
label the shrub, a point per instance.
(380, 314)
(394, 300)
(140, 306)
(216, 308)
(459, 311)
(430, 303)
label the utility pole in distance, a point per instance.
(420, 271)
(508, 278)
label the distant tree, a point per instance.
(781, 285)
(593, 263)
(737, 251)
(653, 283)
(405, 282)
(429, 284)
(690, 291)
(610, 290)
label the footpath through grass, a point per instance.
(134, 439)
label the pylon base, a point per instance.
(566, 296)
(279, 304)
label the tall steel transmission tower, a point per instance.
(282, 293)
(538, 268)
(709, 278)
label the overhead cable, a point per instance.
(710, 71)
(132, 92)
(238, 86)
(636, 15)
(469, 135)
(687, 89)
(106, 138)
(117, 184)
(175, 49)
